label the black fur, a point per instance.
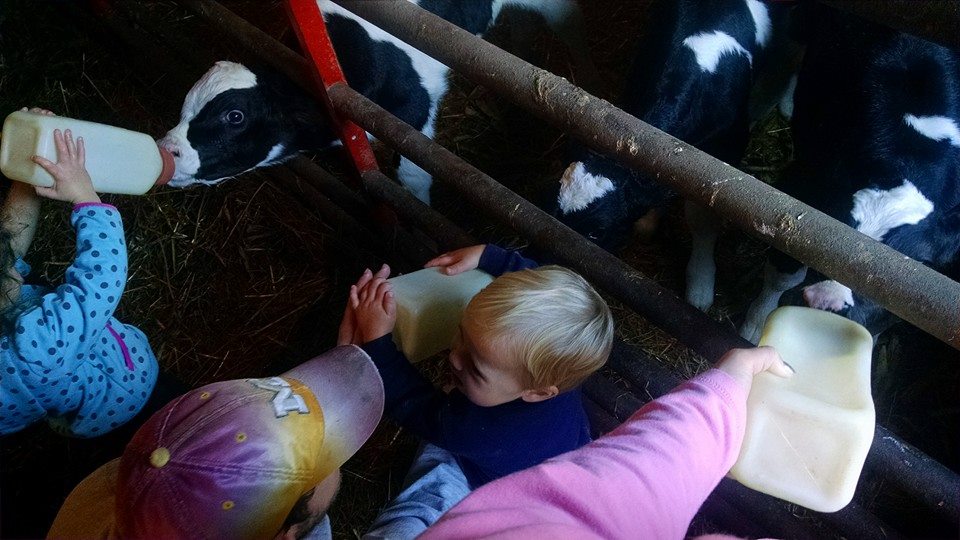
(857, 82)
(667, 89)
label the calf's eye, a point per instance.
(235, 117)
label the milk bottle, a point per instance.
(429, 307)
(118, 160)
(808, 436)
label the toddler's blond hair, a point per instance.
(558, 327)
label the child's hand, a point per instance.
(38, 110)
(374, 308)
(743, 364)
(348, 334)
(71, 181)
(456, 262)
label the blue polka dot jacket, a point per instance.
(64, 357)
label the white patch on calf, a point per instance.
(761, 19)
(877, 211)
(186, 160)
(578, 188)
(828, 295)
(221, 77)
(937, 128)
(272, 156)
(709, 47)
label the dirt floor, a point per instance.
(247, 279)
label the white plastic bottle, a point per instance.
(118, 160)
(429, 307)
(807, 437)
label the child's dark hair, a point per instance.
(7, 259)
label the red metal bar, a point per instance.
(307, 22)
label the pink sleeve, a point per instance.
(648, 477)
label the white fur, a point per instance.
(877, 211)
(187, 163)
(578, 188)
(761, 19)
(221, 77)
(272, 156)
(937, 128)
(415, 179)
(701, 269)
(709, 47)
(828, 295)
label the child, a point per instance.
(525, 344)
(63, 356)
(645, 479)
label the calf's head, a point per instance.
(601, 200)
(235, 119)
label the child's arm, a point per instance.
(21, 211)
(409, 398)
(492, 259)
(648, 477)
(52, 338)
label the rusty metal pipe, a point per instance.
(909, 289)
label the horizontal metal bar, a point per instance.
(906, 287)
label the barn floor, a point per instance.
(245, 279)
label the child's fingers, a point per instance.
(71, 145)
(365, 277)
(383, 272)
(455, 268)
(46, 164)
(81, 152)
(389, 303)
(382, 288)
(354, 297)
(781, 369)
(365, 292)
(440, 260)
(772, 362)
(47, 192)
(60, 144)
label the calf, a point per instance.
(236, 119)
(691, 79)
(877, 146)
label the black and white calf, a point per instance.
(877, 146)
(236, 119)
(691, 79)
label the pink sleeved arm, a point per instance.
(645, 479)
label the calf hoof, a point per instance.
(828, 296)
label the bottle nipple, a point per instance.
(169, 167)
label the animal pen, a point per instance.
(912, 291)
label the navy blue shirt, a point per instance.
(488, 442)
